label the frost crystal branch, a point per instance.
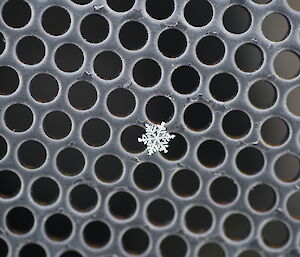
(156, 138)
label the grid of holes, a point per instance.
(80, 78)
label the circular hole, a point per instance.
(237, 227)
(45, 191)
(249, 253)
(223, 87)
(185, 183)
(44, 88)
(70, 161)
(32, 250)
(198, 14)
(146, 73)
(262, 94)
(58, 227)
(147, 176)
(57, 125)
(9, 80)
(236, 117)
(81, 2)
(82, 95)
(177, 148)
(250, 160)
(135, 241)
(294, 4)
(159, 109)
(3, 147)
(249, 57)
(160, 212)
(292, 205)
(56, 20)
(210, 50)
(211, 249)
(32, 154)
(172, 50)
(95, 132)
(129, 139)
(122, 205)
(262, 198)
(287, 64)
(4, 248)
(96, 234)
(120, 5)
(262, 1)
(83, 198)
(10, 184)
(2, 45)
(69, 58)
(223, 190)
(30, 50)
(198, 219)
(160, 10)
(237, 19)
(185, 80)
(94, 28)
(276, 27)
(287, 168)
(275, 234)
(274, 131)
(292, 101)
(20, 220)
(197, 117)
(173, 246)
(108, 168)
(108, 65)
(16, 13)
(211, 153)
(133, 35)
(121, 102)
(71, 253)
(18, 117)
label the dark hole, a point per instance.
(32, 250)
(9, 80)
(276, 27)
(71, 253)
(160, 212)
(10, 184)
(223, 190)
(120, 5)
(173, 246)
(262, 1)
(129, 139)
(32, 154)
(185, 79)
(293, 206)
(69, 58)
(83, 198)
(122, 205)
(58, 227)
(16, 13)
(237, 227)
(3, 147)
(108, 168)
(262, 198)
(198, 219)
(287, 168)
(210, 50)
(82, 95)
(81, 2)
(249, 253)
(211, 250)
(95, 132)
(96, 234)
(211, 153)
(159, 108)
(45, 191)
(121, 102)
(56, 20)
(223, 87)
(147, 176)
(20, 220)
(133, 35)
(237, 19)
(44, 88)
(230, 121)
(197, 116)
(70, 161)
(177, 148)
(292, 101)
(198, 13)
(135, 241)
(160, 9)
(146, 73)
(108, 65)
(185, 183)
(275, 234)
(274, 131)
(30, 50)
(2, 43)
(287, 64)
(250, 160)
(249, 57)
(3, 248)
(94, 28)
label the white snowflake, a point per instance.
(156, 138)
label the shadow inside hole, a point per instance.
(287, 168)
(96, 234)
(185, 183)
(237, 19)
(147, 176)
(262, 198)
(122, 205)
(9, 80)
(293, 206)
(237, 227)
(58, 227)
(275, 131)
(198, 219)
(10, 184)
(287, 64)
(160, 108)
(20, 220)
(32, 249)
(4, 248)
(16, 13)
(160, 10)
(249, 57)
(177, 148)
(223, 190)
(276, 27)
(173, 246)
(160, 212)
(45, 191)
(292, 101)
(275, 234)
(108, 168)
(198, 13)
(211, 249)
(83, 198)
(135, 241)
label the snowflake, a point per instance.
(156, 138)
